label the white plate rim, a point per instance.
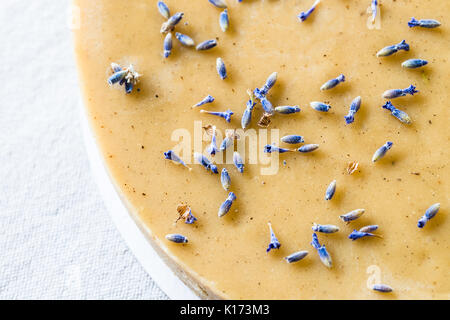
(139, 245)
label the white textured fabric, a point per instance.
(56, 239)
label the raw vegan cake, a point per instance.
(278, 149)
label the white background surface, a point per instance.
(56, 239)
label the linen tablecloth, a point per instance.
(57, 240)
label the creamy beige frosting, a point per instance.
(226, 257)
